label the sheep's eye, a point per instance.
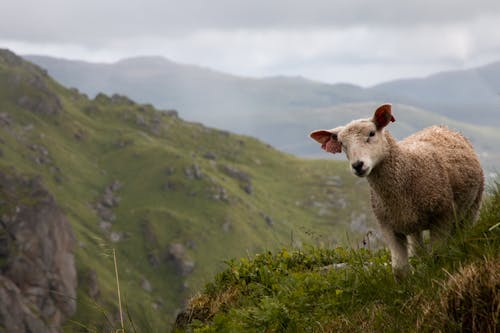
(372, 133)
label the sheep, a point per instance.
(432, 180)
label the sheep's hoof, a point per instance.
(400, 273)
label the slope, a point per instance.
(173, 198)
(456, 288)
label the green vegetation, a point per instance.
(174, 199)
(456, 288)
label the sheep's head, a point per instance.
(362, 140)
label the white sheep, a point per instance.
(432, 180)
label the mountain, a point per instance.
(200, 94)
(471, 95)
(174, 199)
(466, 100)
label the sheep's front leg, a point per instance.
(415, 243)
(397, 244)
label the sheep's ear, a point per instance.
(383, 115)
(328, 139)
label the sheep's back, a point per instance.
(451, 157)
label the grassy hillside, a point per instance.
(454, 289)
(175, 199)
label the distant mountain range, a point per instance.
(282, 110)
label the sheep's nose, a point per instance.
(358, 166)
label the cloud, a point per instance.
(95, 22)
(362, 41)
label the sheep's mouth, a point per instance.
(361, 173)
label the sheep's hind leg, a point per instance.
(415, 243)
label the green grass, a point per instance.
(298, 290)
(91, 143)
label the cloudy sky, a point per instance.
(357, 41)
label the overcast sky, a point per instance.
(357, 41)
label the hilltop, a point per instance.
(173, 198)
(456, 288)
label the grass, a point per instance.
(89, 144)
(456, 288)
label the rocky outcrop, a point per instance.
(176, 253)
(33, 83)
(105, 204)
(37, 270)
(242, 177)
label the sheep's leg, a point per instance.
(474, 210)
(438, 234)
(415, 243)
(397, 244)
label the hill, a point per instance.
(454, 289)
(466, 100)
(471, 95)
(173, 198)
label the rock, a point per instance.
(38, 275)
(105, 225)
(220, 193)
(235, 173)
(176, 253)
(120, 99)
(42, 154)
(197, 171)
(171, 113)
(188, 172)
(248, 188)
(5, 119)
(105, 213)
(115, 185)
(139, 120)
(109, 199)
(153, 259)
(267, 218)
(168, 186)
(10, 58)
(102, 98)
(79, 135)
(193, 172)
(227, 226)
(210, 155)
(49, 103)
(115, 236)
(146, 285)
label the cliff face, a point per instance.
(37, 270)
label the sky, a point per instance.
(362, 42)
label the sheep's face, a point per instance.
(363, 140)
(364, 145)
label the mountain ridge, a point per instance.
(263, 107)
